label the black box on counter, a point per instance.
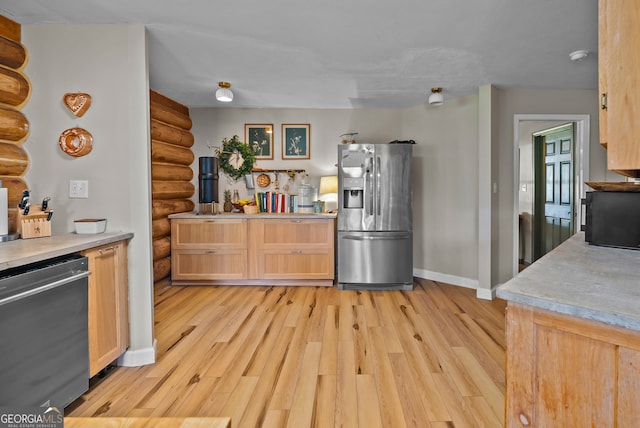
(612, 219)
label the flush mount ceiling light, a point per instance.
(436, 98)
(578, 55)
(224, 94)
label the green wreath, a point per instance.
(236, 158)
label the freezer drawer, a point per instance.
(375, 260)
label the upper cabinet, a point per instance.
(619, 84)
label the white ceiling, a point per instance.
(344, 53)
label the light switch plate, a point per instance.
(78, 189)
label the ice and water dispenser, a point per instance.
(353, 168)
(353, 189)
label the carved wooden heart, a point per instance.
(78, 103)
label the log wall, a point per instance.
(171, 175)
(15, 90)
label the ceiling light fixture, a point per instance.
(578, 55)
(436, 98)
(224, 94)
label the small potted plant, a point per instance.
(227, 201)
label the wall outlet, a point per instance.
(78, 189)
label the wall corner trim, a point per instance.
(139, 357)
(486, 294)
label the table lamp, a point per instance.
(329, 188)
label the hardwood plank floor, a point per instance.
(316, 357)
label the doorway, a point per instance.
(525, 126)
(553, 192)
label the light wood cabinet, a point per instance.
(567, 371)
(108, 304)
(208, 249)
(291, 249)
(619, 84)
(253, 251)
(602, 70)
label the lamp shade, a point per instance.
(329, 184)
(224, 94)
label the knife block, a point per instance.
(34, 224)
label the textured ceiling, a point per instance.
(345, 53)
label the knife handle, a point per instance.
(24, 199)
(26, 209)
(45, 203)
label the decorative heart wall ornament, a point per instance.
(76, 142)
(77, 103)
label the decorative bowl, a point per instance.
(90, 225)
(250, 209)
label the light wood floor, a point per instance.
(303, 357)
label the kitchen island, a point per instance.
(573, 338)
(253, 249)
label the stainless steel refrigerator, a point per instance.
(375, 232)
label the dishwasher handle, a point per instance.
(44, 288)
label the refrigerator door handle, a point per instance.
(375, 238)
(369, 188)
(378, 185)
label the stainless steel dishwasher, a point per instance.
(44, 349)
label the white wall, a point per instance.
(109, 62)
(488, 161)
(445, 204)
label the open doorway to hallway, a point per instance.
(560, 183)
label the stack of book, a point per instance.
(273, 202)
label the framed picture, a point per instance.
(296, 141)
(260, 138)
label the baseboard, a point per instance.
(448, 279)
(139, 357)
(481, 293)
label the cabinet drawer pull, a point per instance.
(603, 101)
(296, 221)
(296, 251)
(211, 252)
(104, 250)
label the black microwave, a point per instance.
(612, 219)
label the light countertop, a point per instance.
(586, 281)
(24, 251)
(193, 214)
